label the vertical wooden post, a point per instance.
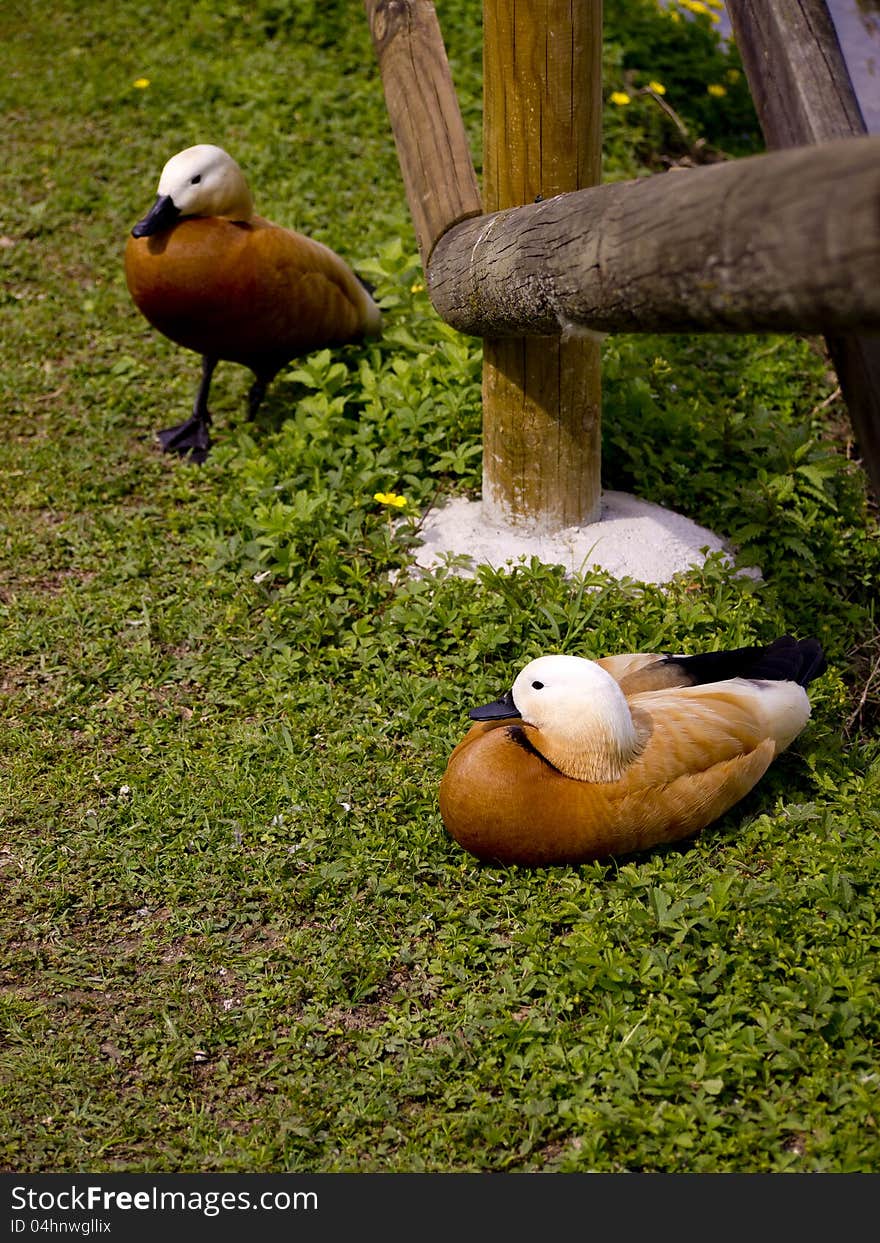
(542, 100)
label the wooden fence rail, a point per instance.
(432, 145)
(786, 242)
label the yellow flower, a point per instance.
(141, 83)
(416, 288)
(733, 75)
(389, 498)
(657, 87)
(620, 98)
(697, 6)
(716, 89)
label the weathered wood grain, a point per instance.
(432, 147)
(797, 76)
(542, 99)
(542, 96)
(783, 242)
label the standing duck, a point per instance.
(586, 759)
(218, 279)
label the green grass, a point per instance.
(235, 934)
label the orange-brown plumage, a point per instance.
(219, 280)
(679, 750)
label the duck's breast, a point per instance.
(243, 292)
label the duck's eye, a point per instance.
(537, 686)
(194, 181)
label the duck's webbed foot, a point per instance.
(188, 439)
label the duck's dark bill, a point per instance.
(161, 215)
(497, 710)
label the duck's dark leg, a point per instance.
(257, 392)
(191, 437)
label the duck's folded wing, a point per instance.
(691, 729)
(638, 672)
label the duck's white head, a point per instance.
(584, 725)
(200, 181)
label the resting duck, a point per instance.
(219, 280)
(585, 759)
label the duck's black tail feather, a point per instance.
(371, 289)
(784, 660)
